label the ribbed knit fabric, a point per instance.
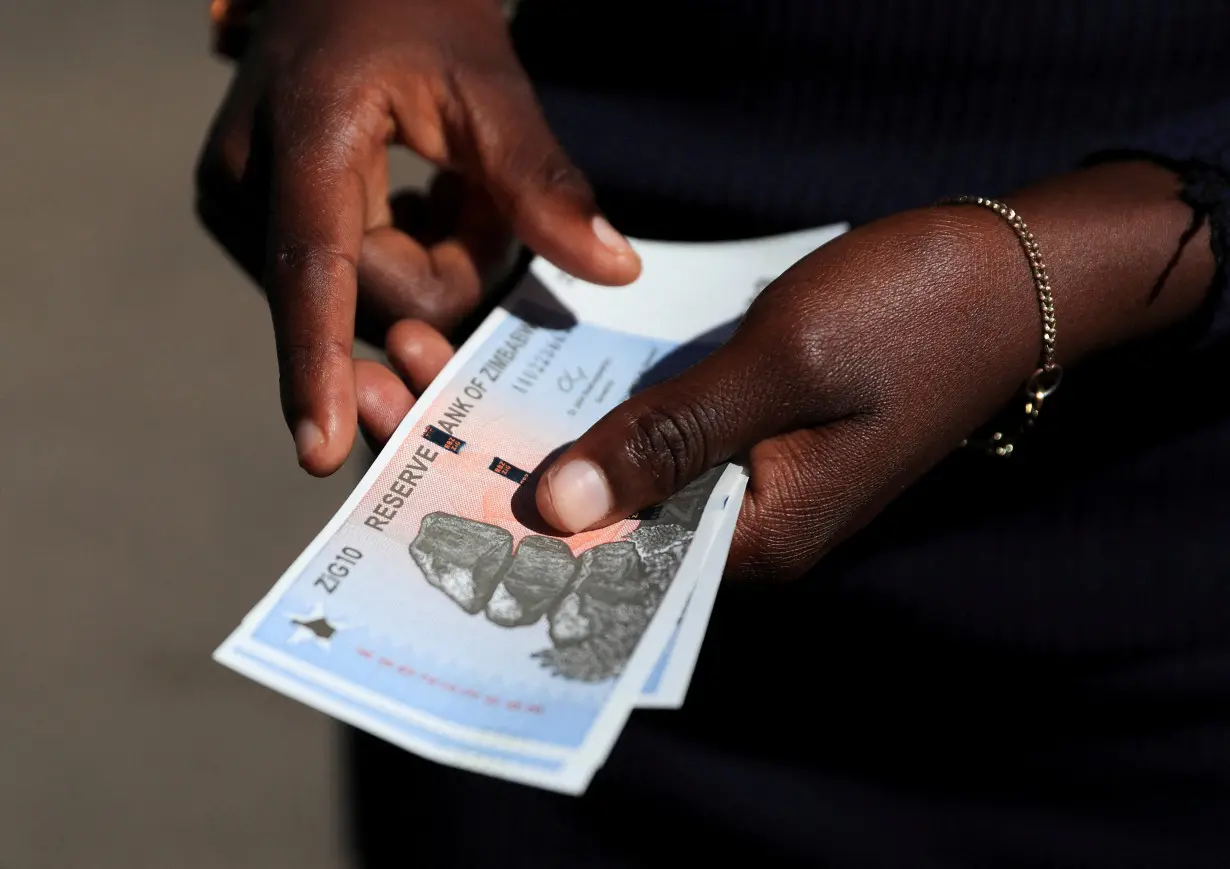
(755, 116)
(787, 106)
(1023, 663)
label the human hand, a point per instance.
(873, 358)
(293, 181)
(850, 375)
(417, 353)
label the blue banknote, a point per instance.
(667, 685)
(386, 724)
(438, 611)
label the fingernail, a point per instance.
(579, 494)
(610, 236)
(308, 438)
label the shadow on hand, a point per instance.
(538, 305)
(685, 355)
(524, 503)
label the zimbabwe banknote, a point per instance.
(436, 609)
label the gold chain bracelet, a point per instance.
(1045, 379)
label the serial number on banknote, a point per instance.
(538, 364)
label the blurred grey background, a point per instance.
(148, 493)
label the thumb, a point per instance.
(545, 197)
(659, 440)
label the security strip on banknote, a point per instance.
(437, 611)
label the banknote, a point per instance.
(664, 689)
(383, 720)
(667, 684)
(437, 610)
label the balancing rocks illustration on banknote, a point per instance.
(437, 612)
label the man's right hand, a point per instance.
(293, 181)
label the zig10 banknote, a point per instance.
(438, 612)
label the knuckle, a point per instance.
(803, 367)
(322, 115)
(302, 85)
(312, 261)
(801, 329)
(308, 359)
(800, 355)
(669, 443)
(546, 176)
(514, 146)
(827, 364)
(552, 171)
(536, 164)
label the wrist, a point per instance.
(994, 335)
(1095, 250)
(1121, 252)
(1123, 260)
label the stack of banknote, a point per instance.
(436, 610)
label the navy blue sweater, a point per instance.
(1024, 663)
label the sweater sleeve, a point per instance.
(1196, 147)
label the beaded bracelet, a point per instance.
(1045, 379)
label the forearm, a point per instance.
(1126, 259)
(1120, 250)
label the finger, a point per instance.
(435, 262)
(227, 179)
(383, 401)
(316, 223)
(663, 438)
(544, 195)
(222, 164)
(399, 280)
(417, 352)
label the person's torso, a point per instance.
(800, 112)
(1051, 632)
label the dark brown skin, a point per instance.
(871, 359)
(854, 373)
(293, 181)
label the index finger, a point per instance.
(316, 224)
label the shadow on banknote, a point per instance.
(596, 604)
(686, 355)
(537, 305)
